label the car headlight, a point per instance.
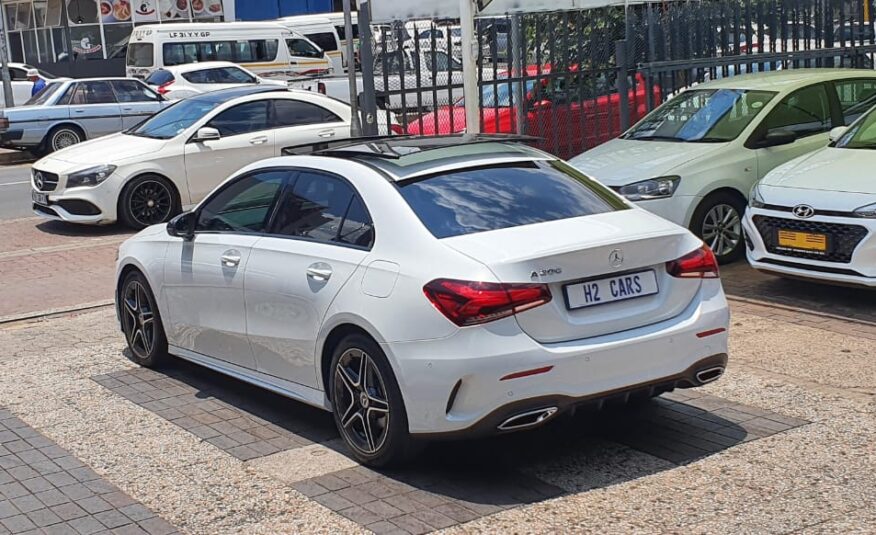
(655, 188)
(755, 198)
(868, 211)
(91, 176)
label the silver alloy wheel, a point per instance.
(138, 320)
(65, 138)
(361, 401)
(151, 202)
(722, 229)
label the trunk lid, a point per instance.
(580, 248)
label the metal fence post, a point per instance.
(355, 125)
(366, 60)
(620, 55)
(517, 49)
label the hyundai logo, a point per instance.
(616, 258)
(803, 211)
(38, 180)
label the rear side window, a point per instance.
(159, 77)
(222, 75)
(497, 197)
(325, 40)
(289, 112)
(134, 91)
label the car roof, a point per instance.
(785, 80)
(403, 158)
(222, 95)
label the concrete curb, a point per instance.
(54, 312)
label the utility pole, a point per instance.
(469, 67)
(8, 97)
(355, 124)
(366, 58)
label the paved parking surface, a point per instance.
(783, 443)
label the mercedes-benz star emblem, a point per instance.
(38, 180)
(616, 258)
(803, 211)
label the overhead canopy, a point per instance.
(389, 10)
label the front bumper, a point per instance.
(476, 359)
(859, 271)
(678, 208)
(84, 205)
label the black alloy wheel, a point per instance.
(141, 322)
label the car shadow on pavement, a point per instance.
(61, 228)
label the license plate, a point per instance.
(803, 241)
(40, 198)
(610, 289)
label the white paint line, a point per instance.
(16, 183)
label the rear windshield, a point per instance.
(140, 55)
(45, 94)
(159, 77)
(497, 197)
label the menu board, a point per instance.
(145, 10)
(115, 11)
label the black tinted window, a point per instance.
(295, 113)
(325, 41)
(159, 77)
(243, 206)
(242, 119)
(478, 200)
(803, 112)
(324, 208)
(222, 75)
(134, 91)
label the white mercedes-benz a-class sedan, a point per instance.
(815, 217)
(426, 287)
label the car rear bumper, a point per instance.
(455, 386)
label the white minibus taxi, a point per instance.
(268, 49)
(328, 32)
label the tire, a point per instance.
(718, 221)
(141, 322)
(370, 414)
(148, 200)
(62, 137)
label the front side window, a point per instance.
(302, 48)
(855, 97)
(242, 119)
(704, 115)
(134, 91)
(289, 112)
(504, 196)
(324, 40)
(324, 208)
(140, 55)
(803, 112)
(242, 206)
(861, 135)
(93, 93)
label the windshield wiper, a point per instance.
(655, 138)
(709, 140)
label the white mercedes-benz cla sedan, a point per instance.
(426, 287)
(815, 217)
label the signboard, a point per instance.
(145, 11)
(389, 10)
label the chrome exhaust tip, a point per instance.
(527, 419)
(709, 375)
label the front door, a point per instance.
(321, 233)
(204, 277)
(805, 112)
(246, 138)
(93, 105)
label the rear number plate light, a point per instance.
(610, 289)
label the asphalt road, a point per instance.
(15, 192)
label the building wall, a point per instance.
(273, 9)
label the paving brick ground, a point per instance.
(44, 489)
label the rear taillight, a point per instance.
(397, 129)
(163, 88)
(471, 303)
(698, 264)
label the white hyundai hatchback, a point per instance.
(815, 217)
(426, 287)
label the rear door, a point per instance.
(94, 106)
(136, 101)
(298, 122)
(247, 137)
(320, 234)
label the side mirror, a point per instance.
(777, 138)
(182, 226)
(206, 134)
(837, 133)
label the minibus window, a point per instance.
(303, 49)
(140, 55)
(325, 40)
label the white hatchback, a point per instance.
(184, 81)
(147, 174)
(815, 217)
(424, 287)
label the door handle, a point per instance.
(319, 272)
(327, 133)
(261, 140)
(230, 258)
(78, 111)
